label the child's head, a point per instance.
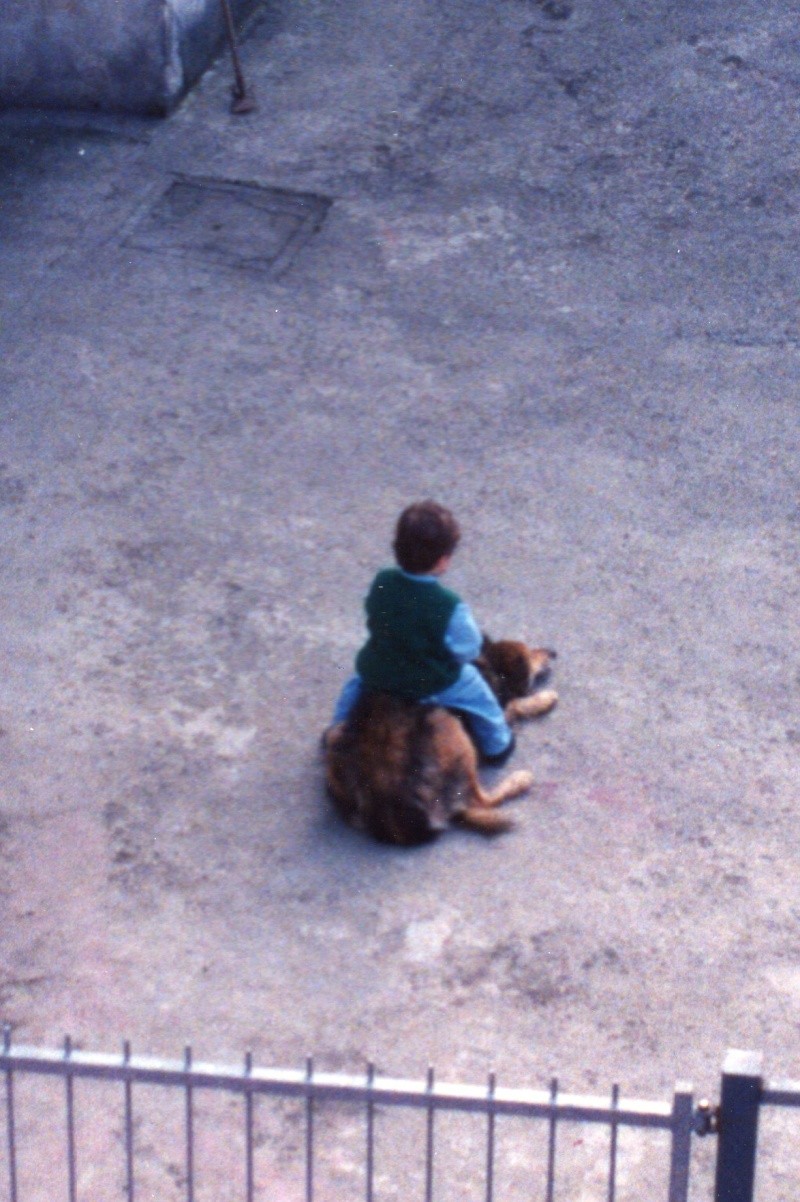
(425, 534)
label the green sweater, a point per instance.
(405, 653)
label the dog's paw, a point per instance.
(546, 699)
(518, 782)
(484, 820)
(533, 706)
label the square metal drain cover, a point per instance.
(229, 223)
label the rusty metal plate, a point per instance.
(232, 224)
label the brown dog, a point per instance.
(402, 771)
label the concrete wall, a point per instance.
(135, 56)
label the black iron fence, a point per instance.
(82, 1125)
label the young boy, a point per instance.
(423, 638)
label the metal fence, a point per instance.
(372, 1103)
(746, 1098)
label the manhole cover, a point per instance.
(230, 223)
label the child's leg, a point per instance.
(472, 696)
(347, 699)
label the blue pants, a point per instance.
(470, 695)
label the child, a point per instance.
(423, 638)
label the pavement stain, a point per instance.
(526, 970)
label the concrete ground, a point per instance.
(556, 289)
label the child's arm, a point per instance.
(463, 638)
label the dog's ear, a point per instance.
(487, 642)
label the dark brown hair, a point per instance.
(425, 533)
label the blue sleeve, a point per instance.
(463, 638)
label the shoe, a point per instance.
(500, 757)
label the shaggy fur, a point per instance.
(403, 772)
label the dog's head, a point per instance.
(513, 669)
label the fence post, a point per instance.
(681, 1150)
(738, 1127)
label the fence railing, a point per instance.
(372, 1095)
(59, 1129)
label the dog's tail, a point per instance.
(486, 821)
